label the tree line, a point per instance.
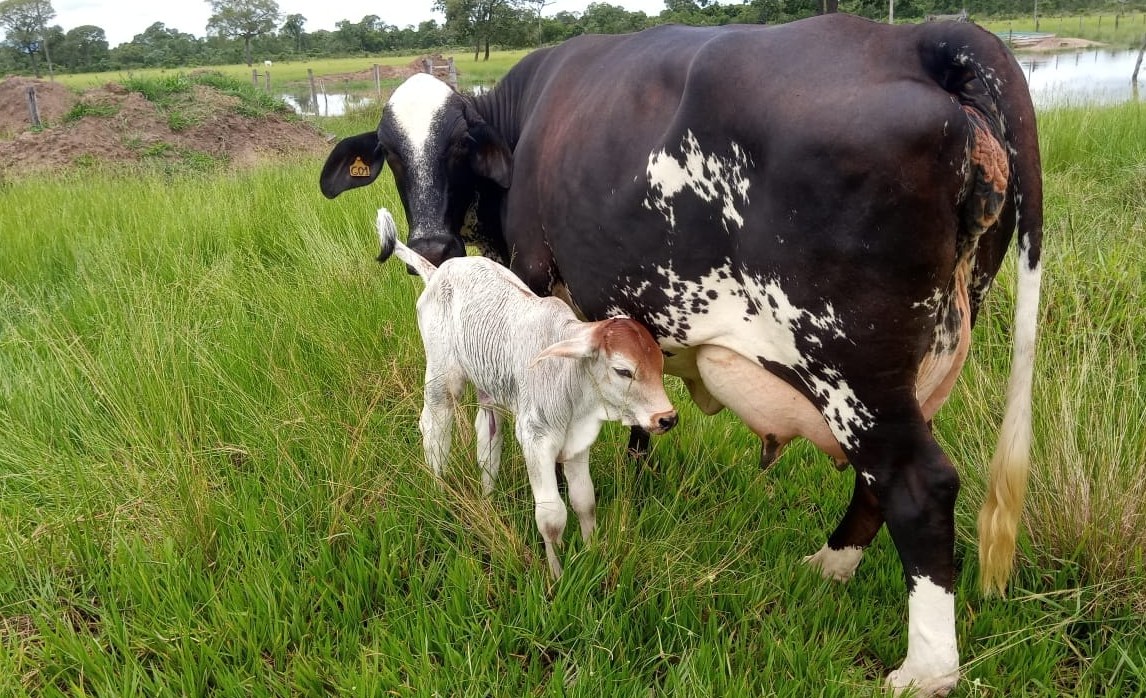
(238, 30)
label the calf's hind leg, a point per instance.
(443, 388)
(488, 429)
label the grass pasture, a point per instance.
(285, 74)
(211, 479)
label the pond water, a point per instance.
(1090, 76)
(325, 104)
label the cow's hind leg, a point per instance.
(916, 486)
(639, 441)
(842, 553)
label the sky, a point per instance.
(121, 20)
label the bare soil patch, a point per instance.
(112, 125)
(439, 66)
(1058, 43)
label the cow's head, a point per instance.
(440, 151)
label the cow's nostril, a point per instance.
(668, 422)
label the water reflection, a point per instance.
(332, 104)
(326, 104)
(1091, 76)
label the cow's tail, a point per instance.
(999, 517)
(1007, 106)
(391, 245)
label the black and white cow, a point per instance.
(807, 217)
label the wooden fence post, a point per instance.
(378, 80)
(453, 73)
(255, 78)
(33, 108)
(313, 91)
(267, 74)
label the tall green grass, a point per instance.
(211, 479)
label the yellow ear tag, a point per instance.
(359, 168)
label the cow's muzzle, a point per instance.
(437, 248)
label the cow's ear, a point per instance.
(490, 157)
(354, 162)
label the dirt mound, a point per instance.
(111, 124)
(439, 66)
(53, 100)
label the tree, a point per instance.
(26, 28)
(84, 49)
(479, 20)
(292, 27)
(243, 19)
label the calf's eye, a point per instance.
(623, 372)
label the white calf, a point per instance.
(561, 378)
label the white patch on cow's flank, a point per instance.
(932, 662)
(868, 477)
(710, 177)
(756, 318)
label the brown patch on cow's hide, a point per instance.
(991, 171)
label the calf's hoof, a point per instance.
(902, 681)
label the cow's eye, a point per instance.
(623, 372)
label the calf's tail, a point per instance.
(968, 56)
(391, 245)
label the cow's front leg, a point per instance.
(842, 553)
(639, 441)
(581, 495)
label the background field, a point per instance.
(211, 479)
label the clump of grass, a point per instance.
(253, 102)
(84, 109)
(172, 93)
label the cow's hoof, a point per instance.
(839, 565)
(902, 681)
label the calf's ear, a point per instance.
(354, 162)
(582, 346)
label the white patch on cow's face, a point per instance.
(755, 318)
(868, 477)
(932, 663)
(711, 177)
(415, 108)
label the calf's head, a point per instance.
(440, 151)
(626, 368)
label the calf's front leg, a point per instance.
(581, 496)
(549, 510)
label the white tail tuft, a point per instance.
(1010, 467)
(388, 237)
